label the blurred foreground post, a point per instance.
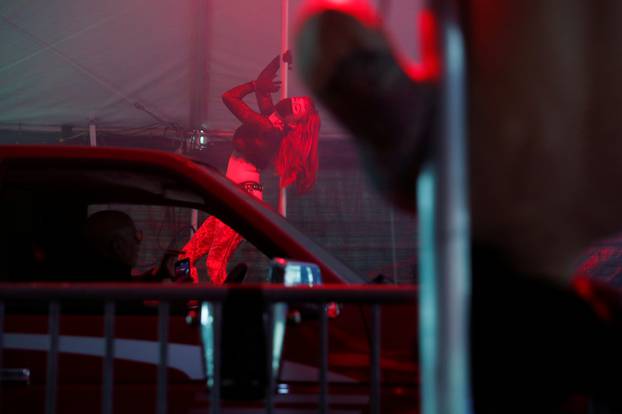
(444, 232)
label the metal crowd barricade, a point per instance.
(109, 294)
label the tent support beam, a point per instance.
(282, 203)
(200, 71)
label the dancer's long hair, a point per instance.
(297, 160)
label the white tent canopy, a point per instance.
(136, 63)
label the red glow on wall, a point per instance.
(429, 66)
(359, 9)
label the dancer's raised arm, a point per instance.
(265, 86)
(233, 99)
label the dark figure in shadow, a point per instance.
(112, 244)
(544, 88)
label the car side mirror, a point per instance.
(289, 273)
(298, 313)
(294, 273)
(245, 332)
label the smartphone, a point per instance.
(182, 269)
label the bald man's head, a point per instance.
(112, 235)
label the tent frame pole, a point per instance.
(282, 203)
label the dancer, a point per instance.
(285, 134)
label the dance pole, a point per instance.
(445, 268)
(282, 203)
(200, 80)
(92, 134)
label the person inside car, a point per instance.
(112, 243)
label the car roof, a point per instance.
(165, 178)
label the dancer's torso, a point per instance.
(240, 170)
(259, 145)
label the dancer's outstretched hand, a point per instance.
(267, 85)
(265, 82)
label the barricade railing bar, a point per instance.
(52, 373)
(323, 361)
(110, 293)
(107, 383)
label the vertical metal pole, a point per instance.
(393, 244)
(324, 360)
(375, 359)
(92, 134)
(52, 373)
(194, 221)
(215, 393)
(269, 355)
(282, 202)
(199, 70)
(163, 317)
(1, 335)
(444, 231)
(107, 394)
(284, 46)
(1, 349)
(194, 225)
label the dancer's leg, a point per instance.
(199, 245)
(223, 244)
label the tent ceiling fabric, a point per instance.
(133, 63)
(70, 61)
